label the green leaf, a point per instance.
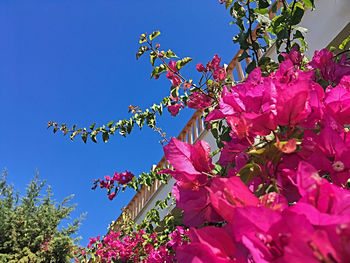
(170, 54)
(332, 48)
(249, 172)
(308, 3)
(174, 91)
(344, 43)
(92, 126)
(105, 136)
(129, 126)
(263, 11)
(158, 70)
(263, 19)
(301, 29)
(153, 57)
(181, 63)
(274, 7)
(93, 138)
(297, 14)
(264, 3)
(110, 124)
(283, 34)
(244, 55)
(141, 51)
(142, 38)
(264, 61)
(233, 13)
(154, 35)
(251, 66)
(228, 3)
(299, 35)
(84, 137)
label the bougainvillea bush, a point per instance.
(279, 191)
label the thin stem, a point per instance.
(250, 32)
(341, 53)
(288, 47)
(177, 73)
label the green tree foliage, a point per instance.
(30, 230)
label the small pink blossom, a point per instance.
(123, 178)
(174, 109)
(201, 68)
(198, 100)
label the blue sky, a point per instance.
(73, 61)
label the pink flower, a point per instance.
(172, 66)
(211, 245)
(195, 204)
(214, 64)
(175, 80)
(123, 178)
(201, 68)
(191, 162)
(329, 69)
(198, 100)
(294, 55)
(228, 193)
(111, 196)
(322, 203)
(219, 74)
(174, 109)
(293, 94)
(337, 102)
(177, 238)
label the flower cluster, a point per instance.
(280, 189)
(109, 182)
(282, 193)
(197, 98)
(137, 247)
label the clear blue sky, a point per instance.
(73, 61)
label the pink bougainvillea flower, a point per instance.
(271, 236)
(172, 66)
(294, 55)
(337, 103)
(293, 93)
(175, 80)
(123, 178)
(198, 100)
(177, 238)
(328, 151)
(219, 74)
(322, 203)
(196, 206)
(232, 149)
(274, 201)
(111, 196)
(201, 68)
(249, 107)
(192, 165)
(210, 245)
(191, 162)
(214, 64)
(174, 109)
(329, 69)
(228, 193)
